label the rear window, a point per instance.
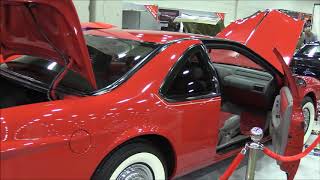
(111, 59)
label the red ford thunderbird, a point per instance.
(104, 103)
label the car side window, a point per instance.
(192, 77)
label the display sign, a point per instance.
(221, 15)
(153, 9)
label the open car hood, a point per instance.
(45, 28)
(265, 31)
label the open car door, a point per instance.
(276, 46)
(287, 125)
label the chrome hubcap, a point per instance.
(306, 114)
(136, 172)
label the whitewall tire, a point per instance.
(141, 161)
(309, 114)
(136, 160)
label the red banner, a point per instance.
(221, 15)
(153, 9)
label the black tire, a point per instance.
(112, 162)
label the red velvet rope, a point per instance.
(278, 157)
(235, 163)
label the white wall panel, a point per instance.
(248, 7)
(316, 21)
(82, 7)
(131, 19)
(148, 22)
(109, 11)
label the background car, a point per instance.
(306, 66)
(306, 61)
(309, 89)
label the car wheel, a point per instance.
(309, 112)
(137, 160)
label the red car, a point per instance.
(115, 104)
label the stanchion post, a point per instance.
(254, 147)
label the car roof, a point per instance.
(159, 37)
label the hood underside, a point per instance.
(45, 28)
(265, 31)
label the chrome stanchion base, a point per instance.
(254, 147)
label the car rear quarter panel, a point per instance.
(37, 141)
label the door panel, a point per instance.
(191, 92)
(199, 122)
(290, 100)
(281, 119)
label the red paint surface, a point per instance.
(312, 89)
(37, 136)
(45, 139)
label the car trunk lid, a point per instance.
(44, 28)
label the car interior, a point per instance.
(248, 93)
(19, 95)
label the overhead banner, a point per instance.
(221, 15)
(153, 9)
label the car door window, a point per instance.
(192, 77)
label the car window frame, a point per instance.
(175, 69)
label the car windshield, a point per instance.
(111, 59)
(310, 51)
